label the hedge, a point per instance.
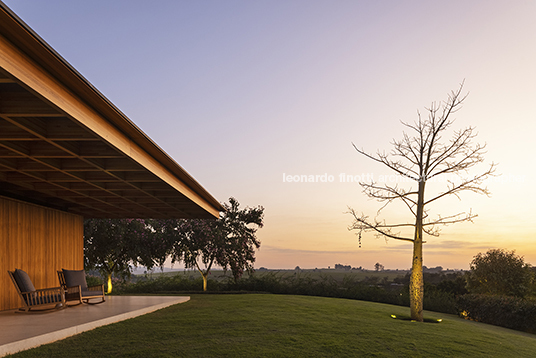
(505, 311)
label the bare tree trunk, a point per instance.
(205, 273)
(416, 291)
(416, 284)
(204, 281)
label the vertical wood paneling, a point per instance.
(39, 241)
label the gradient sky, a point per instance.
(241, 92)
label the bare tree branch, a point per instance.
(452, 219)
(431, 227)
(388, 194)
(362, 223)
(391, 193)
(467, 185)
(383, 159)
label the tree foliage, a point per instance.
(500, 272)
(378, 267)
(420, 157)
(229, 242)
(111, 246)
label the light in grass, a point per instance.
(439, 320)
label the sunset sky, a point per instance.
(243, 93)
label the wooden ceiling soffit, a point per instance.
(57, 150)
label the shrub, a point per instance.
(267, 282)
(162, 284)
(455, 285)
(94, 280)
(505, 311)
(438, 300)
(500, 272)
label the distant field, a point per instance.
(315, 273)
(264, 325)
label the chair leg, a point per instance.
(76, 304)
(94, 303)
(29, 310)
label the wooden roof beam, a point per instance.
(59, 186)
(24, 103)
(142, 150)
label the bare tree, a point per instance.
(419, 157)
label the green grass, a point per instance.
(254, 325)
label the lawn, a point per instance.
(264, 325)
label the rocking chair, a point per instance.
(36, 300)
(76, 288)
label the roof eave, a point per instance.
(29, 42)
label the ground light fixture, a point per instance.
(407, 318)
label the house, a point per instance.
(67, 153)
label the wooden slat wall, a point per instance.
(39, 241)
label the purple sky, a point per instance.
(240, 93)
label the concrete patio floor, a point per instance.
(20, 331)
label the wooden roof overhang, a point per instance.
(65, 146)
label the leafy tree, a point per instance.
(112, 245)
(500, 272)
(378, 267)
(229, 241)
(154, 245)
(198, 240)
(419, 158)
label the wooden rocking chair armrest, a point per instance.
(96, 287)
(28, 294)
(73, 289)
(50, 290)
